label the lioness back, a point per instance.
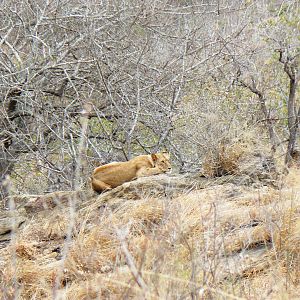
(116, 173)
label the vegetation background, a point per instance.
(214, 82)
(187, 76)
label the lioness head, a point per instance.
(162, 161)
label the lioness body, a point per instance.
(116, 173)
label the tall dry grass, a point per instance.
(221, 242)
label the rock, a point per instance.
(10, 221)
(154, 186)
(259, 168)
(56, 199)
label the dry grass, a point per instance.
(245, 155)
(224, 241)
(224, 159)
(287, 245)
(91, 253)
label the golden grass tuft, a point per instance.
(28, 279)
(85, 290)
(56, 226)
(53, 226)
(287, 243)
(263, 196)
(292, 180)
(143, 214)
(99, 286)
(224, 159)
(25, 251)
(95, 251)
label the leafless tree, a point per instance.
(259, 70)
(291, 68)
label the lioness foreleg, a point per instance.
(148, 172)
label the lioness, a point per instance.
(116, 173)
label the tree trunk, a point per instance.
(293, 126)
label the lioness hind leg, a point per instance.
(100, 186)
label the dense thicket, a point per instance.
(84, 82)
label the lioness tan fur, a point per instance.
(116, 173)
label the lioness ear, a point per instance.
(154, 157)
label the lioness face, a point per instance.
(162, 160)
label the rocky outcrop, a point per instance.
(10, 221)
(16, 209)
